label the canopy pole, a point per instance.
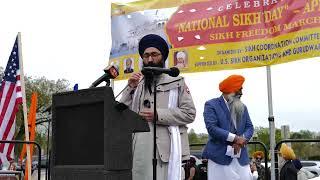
(271, 123)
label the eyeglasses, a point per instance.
(153, 55)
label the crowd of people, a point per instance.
(290, 167)
(194, 171)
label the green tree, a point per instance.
(193, 137)
(197, 139)
(264, 136)
(303, 150)
(44, 88)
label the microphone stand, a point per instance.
(155, 119)
(103, 78)
(153, 73)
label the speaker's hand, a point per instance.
(134, 79)
(147, 114)
(241, 141)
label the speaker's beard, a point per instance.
(148, 79)
(236, 107)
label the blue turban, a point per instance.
(152, 40)
(297, 164)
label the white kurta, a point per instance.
(233, 171)
(143, 151)
(142, 158)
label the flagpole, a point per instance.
(24, 105)
(271, 124)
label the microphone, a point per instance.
(174, 72)
(111, 72)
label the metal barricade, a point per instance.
(19, 173)
(265, 156)
(28, 142)
(251, 142)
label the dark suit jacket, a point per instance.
(288, 171)
(130, 70)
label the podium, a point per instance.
(92, 136)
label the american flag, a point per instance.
(10, 98)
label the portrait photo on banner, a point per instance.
(180, 59)
(128, 65)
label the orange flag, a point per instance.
(32, 130)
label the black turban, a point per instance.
(152, 40)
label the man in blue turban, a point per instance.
(156, 45)
(175, 109)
